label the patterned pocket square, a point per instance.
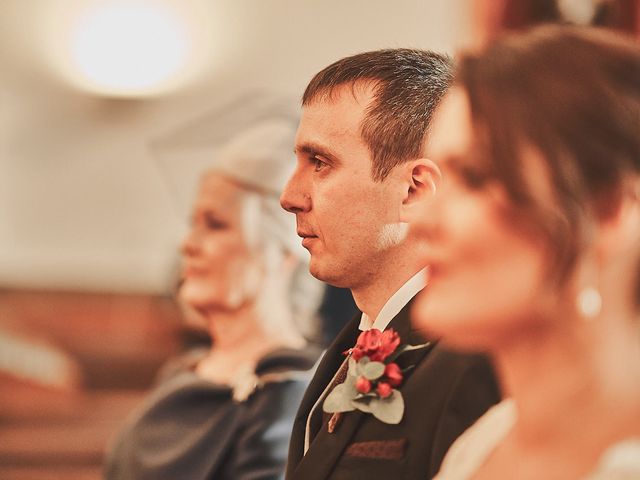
(378, 449)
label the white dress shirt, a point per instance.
(394, 304)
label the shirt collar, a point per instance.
(395, 303)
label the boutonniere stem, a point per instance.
(334, 421)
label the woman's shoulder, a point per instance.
(471, 449)
(620, 461)
(282, 370)
(178, 365)
(288, 360)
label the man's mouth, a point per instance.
(307, 238)
(304, 234)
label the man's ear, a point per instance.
(421, 183)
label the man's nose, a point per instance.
(294, 197)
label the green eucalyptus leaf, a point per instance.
(339, 400)
(353, 368)
(373, 370)
(349, 386)
(362, 403)
(364, 396)
(388, 410)
(360, 366)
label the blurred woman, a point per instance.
(491, 18)
(535, 252)
(227, 412)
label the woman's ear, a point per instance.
(620, 229)
(423, 178)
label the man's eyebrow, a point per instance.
(312, 150)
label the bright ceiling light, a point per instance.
(129, 49)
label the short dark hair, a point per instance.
(408, 84)
(573, 94)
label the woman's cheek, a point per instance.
(242, 280)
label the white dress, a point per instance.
(621, 461)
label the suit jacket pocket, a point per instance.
(378, 449)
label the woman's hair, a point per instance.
(259, 160)
(521, 14)
(271, 233)
(573, 95)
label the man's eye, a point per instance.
(318, 164)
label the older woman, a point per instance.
(226, 413)
(535, 252)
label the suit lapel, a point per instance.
(327, 368)
(326, 448)
(402, 324)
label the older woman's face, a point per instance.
(487, 277)
(220, 270)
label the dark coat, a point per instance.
(192, 429)
(444, 394)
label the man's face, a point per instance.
(347, 221)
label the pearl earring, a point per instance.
(589, 302)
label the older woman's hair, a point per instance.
(573, 94)
(260, 160)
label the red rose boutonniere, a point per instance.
(372, 378)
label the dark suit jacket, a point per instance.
(444, 394)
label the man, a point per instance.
(361, 169)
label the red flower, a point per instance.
(363, 385)
(384, 389)
(394, 374)
(375, 344)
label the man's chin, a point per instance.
(315, 270)
(318, 270)
(328, 275)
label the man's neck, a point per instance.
(372, 297)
